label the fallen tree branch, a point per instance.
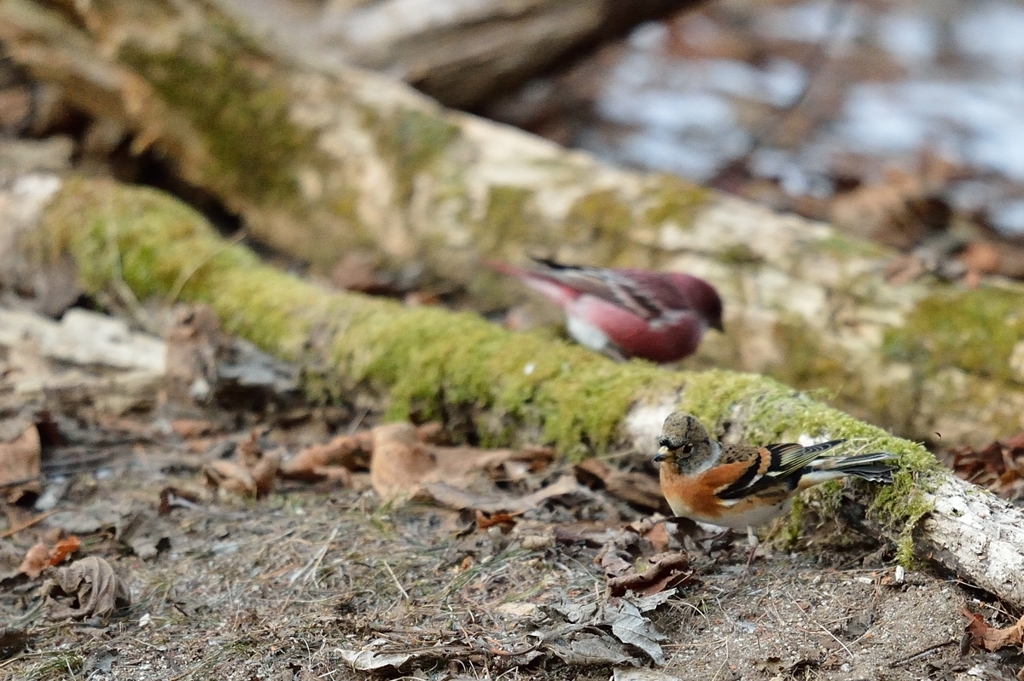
(429, 361)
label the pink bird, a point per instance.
(660, 316)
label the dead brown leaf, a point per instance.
(231, 477)
(634, 488)
(502, 520)
(400, 462)
(86, 588)
(495, 500)
(343, 453)
(192, 428)
(251, 474)
(998, 466)
(19, 465)
(664, 571)
(36, 560)
(986, 637)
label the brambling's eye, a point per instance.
(687, 448)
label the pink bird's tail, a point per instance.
(554, 290)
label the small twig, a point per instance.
(179, 284)
(921, 653)
(391, 572)
(823, 628)
(35, 521)
(313, 565)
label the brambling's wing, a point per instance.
(772, 465)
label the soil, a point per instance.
(282, 587)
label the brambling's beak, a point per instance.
(660, 456)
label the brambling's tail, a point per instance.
(870, 467)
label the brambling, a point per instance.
(659, 316)
(743, 486)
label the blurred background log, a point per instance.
(460, 53)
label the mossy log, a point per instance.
(319, 161)
(458, 52)
(429, 363)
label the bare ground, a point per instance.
(280, 588)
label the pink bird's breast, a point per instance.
(632, 335)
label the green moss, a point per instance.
(509, 219)
(846, 246)
(740, 254)
(242, 118)
(674, 200)
(603, 220)
(808, 363)
(973, 330)
(411, 140)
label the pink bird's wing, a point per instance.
(648, 295)
(636, 337)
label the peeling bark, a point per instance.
(319, 161)
(429, 361)
(977, 536)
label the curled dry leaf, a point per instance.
(86, 588)
(19, 465)
(252, 474)
(666, 571)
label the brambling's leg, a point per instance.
(754, 543)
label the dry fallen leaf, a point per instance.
(999, 466)
(502, 520)
(986, 637)
(899, 211)
(19, 465)
(400, 462)
(496, 500)
(343, 453)
(665, 571)
(252, 473)
(86, 588)
(36, 560)
(634, 488)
